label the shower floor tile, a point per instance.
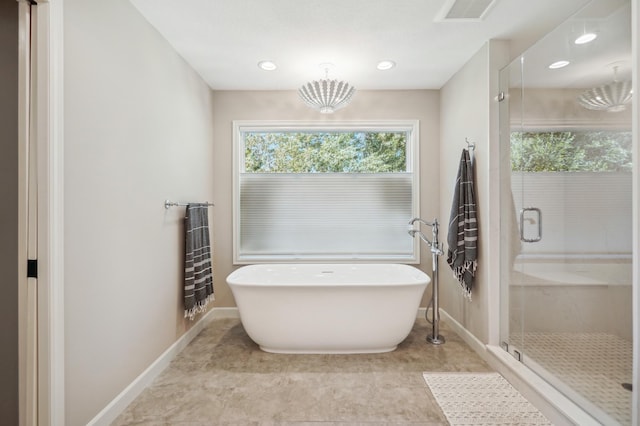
(592, 364)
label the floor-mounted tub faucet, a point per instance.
(436, 250)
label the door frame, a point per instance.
(50, 147)
(51, 365)
(27, 287)
(42, 392)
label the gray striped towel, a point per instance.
(198, 273)
(462, 255)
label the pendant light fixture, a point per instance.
(326, 95)
(612, 97)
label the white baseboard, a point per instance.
(421, 313)
(131, 392)
(219, 313)
(468, 338)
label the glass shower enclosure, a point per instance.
(566, 220)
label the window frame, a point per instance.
(412, 127)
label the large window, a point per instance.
(324, 192)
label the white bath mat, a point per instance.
(481, 399)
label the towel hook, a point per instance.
(470, 145)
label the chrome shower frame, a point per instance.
(436, 250)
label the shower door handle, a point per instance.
(533, 220)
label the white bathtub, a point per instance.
(328, 308)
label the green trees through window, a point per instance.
(325, 152)
(599, 151)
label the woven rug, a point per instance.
(481, 399)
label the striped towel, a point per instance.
(462, 254)
(198, 274)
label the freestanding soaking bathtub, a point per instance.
(328, 308)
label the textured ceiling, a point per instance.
(223, 40)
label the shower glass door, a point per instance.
(566, 210)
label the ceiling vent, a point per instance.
(464, 10)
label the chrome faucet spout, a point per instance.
(423, 237)
(417, 219)
(435, 247)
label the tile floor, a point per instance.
(223, 378)
(592, 364)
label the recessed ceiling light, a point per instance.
(586, 38)
(385, 65)
(267, 65)
(558, 64)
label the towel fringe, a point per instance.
(458, 273)
(200, 307)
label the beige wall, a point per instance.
(274, 105)
(137, 130)
(468, 109)
(9, 212)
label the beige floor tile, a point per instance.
(223, 378)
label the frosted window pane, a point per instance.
(327, 215)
